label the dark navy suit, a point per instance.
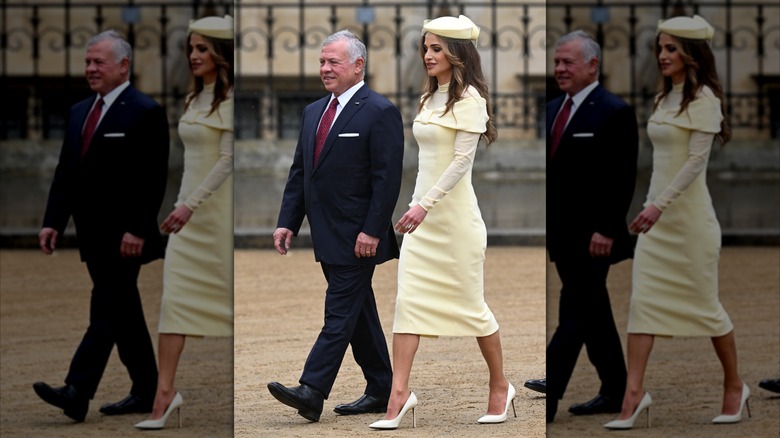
(353, 188)
(116, 188)
(590, 184)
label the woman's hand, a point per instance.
(177, 219)
(411, 220)
(645, 219)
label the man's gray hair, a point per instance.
(119, 45)
(355, 48)
(589, 48)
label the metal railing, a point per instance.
(43, 43)
(746, 47)
(291, 32)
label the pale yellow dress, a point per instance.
(675, 271)
(197, 295)
(440, 278)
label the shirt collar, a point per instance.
(580, 97)
(112, 95)
(345, 97)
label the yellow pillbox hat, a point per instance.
(694, 28)
(214, 27)
(461, 28)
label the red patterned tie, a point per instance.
(559, 125)
(322, 131)
(89, 127)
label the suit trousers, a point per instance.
(115, 317)
(585, 317)
(351, 318)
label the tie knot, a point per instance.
(334, 103)
(569, 102)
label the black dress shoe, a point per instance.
(366, 404)
(598, 405)
(132, 404)
(538, 385)
(304, 398)
(770, 385)
(66, 398)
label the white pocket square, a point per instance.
(583, 134)
(349, 134)
(114, 134)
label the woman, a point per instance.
(198, 272)
(440, 287)
(675, 271)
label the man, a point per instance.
(111, 178)
(591, 172)
(346, 181)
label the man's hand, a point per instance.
(366, 245)
(282, 240)
(47, 239)
(600, 245)
(131, 246)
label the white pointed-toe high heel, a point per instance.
(160, 422)
(727, 419)
(510, 399)
(411, 403)
(628, 423)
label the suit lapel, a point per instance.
(312, 123)
(113, 115)
(576, 122)
(77, 120)
(110, 120)
(585, 108)
(352, 107)
(555, 106)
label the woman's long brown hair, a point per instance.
(466, 70)
(222, 53)
(700, 70)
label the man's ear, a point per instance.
(359, 64)
(594, 65)
(124, 65)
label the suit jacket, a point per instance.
(119, 185)
(355, 184)
(591, 178)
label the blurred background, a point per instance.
(279, 75)
(743, 176)
(42, 75)
(277, 47)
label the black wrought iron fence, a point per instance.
(279, 45)
(746, 47)
(42, 46)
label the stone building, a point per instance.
(278, 43)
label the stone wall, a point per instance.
(31, 157)
(744, 179)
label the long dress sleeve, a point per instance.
(222, 169)
(465, 149)
(699, 148)
(222, 120)
(702, 117)
(468, 117)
